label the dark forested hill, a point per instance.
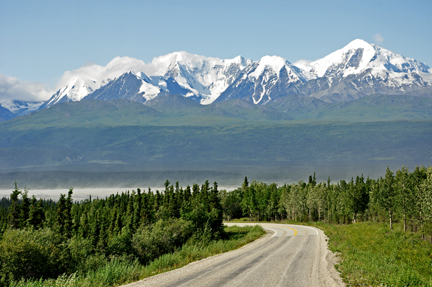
(123, 132)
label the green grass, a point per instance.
(371, 255)
(118, 272)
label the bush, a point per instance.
(165, 236)
(120, 244)
(82, 257)
(29, 253)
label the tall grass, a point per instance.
(371, 255)
(118, 272)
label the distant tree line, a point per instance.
(403, 196)
(44, 239)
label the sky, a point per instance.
(41, 40)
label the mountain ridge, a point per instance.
(355, 71)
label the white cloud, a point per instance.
(96, 74)
(378, 38)
(13, 89)
(90, 75)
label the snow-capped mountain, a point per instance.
(359, 56)
(127, 86)
(19, 108)
(76, 90)
(201, 78)
(264, 80)
(357, 70)
(361, 69)
(206, 78)
(77, 84)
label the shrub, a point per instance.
(164, 236)
(29, 253)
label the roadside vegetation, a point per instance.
(107, 242)
(372, 255)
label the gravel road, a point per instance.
(288, 255)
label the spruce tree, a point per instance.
(14, 209)
(216, 211)
(24, 209)
(68, 215)
(32, 217)
(60, 219)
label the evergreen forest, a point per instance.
(43, 239)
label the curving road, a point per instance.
(289, 255)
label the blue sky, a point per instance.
(40, 40)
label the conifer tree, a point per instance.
(36, 214)
(130, 214)
(216, 210)
(118, 224)
(245, 184)
(84, 225)
(113, 218)
(14, 209)
(24, 209)
(68, 214)
(60, 219)
(137, 212)
(95, 229)
(196, 191)
(187, 195)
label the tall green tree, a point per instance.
(387, 195)
(14, 209)
(24, 209)
(406, 195)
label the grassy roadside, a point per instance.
(371, 255)
(116, 272)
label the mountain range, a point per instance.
(358, 70)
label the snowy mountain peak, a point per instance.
(76, 90)
(20, 108)
(274, 65)
(204, 77)
(351, 59)
(241, 60)
(359, 56)
(161, 65)
(129, 85)
(358, 43)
